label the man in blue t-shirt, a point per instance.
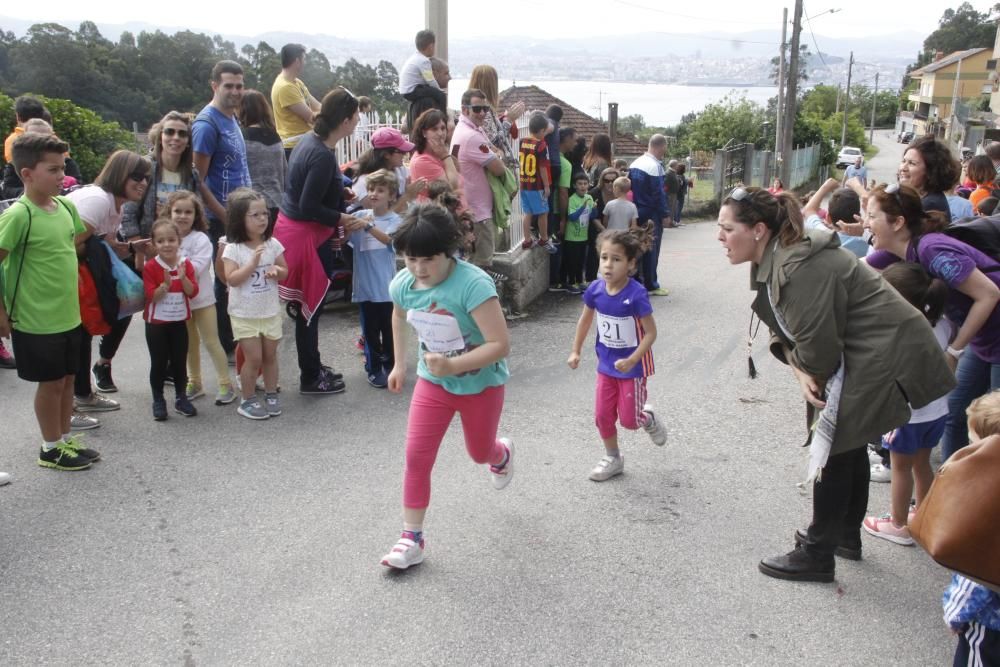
(857, 170)
(220, 156)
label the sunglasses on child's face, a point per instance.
(169, 132)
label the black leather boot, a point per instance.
(846, 548)
(799, 565)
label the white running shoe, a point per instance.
(880, 473)
(608, 467)
(405, 554)
(501, 476)
(657, 432)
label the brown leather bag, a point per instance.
(958, 523)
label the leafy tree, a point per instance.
(804, 56)
(91, 139)
(958, 29)
(633, 124)
(731, 120)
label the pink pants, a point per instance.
(431, 412)
(619, 400)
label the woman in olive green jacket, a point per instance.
(841, 329)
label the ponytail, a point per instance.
(781, 213)
(790, 228)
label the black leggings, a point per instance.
(168, 345)
(107, 348)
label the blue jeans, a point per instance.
(975, 377)
(652, 258)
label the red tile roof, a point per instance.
(536, 99)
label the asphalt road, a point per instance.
(220, 541)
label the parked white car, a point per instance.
(847, 156)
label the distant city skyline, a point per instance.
(576, 18)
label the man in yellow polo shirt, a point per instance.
(294, 106)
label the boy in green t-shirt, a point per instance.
(578, 211)
(40, 308)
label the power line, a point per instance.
(818, 51)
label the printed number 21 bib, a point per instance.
(438, 332)
(616, 332)
(258, 283)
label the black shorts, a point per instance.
(47, 357)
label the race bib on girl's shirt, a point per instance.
(438, 333)
(619, 327)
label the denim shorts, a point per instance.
(911, 437)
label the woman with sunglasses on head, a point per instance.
(311, 226)
(902, 230)
(124, 179)
(172, 170)
(498, 128)
(859, 351)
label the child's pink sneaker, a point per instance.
(884, 528)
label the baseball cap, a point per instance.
(389, 137)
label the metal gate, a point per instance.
(734, 167)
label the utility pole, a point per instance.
(436, 19)
(954, 102)
(847, 101)
(871, 126)
(781, 82)
(837, 109)
(791, 97)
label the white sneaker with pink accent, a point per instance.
(405, 554)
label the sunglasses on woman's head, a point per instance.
(169, 132)
(739, 194)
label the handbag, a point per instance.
(131, 297)
(958, 523)
(91, 315)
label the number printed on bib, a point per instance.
(616, 332)
(258, 281)
(438, 333)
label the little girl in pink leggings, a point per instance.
(461, 366)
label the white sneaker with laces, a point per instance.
(405, 554)
(874, 458)
(608, 467)
(657, 432)
(880, 473)
(501, 476)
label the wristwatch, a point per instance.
(368, 226)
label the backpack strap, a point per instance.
(20, 268)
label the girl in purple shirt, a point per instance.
(902, 231)
(625, 334)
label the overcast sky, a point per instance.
(398, 19)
